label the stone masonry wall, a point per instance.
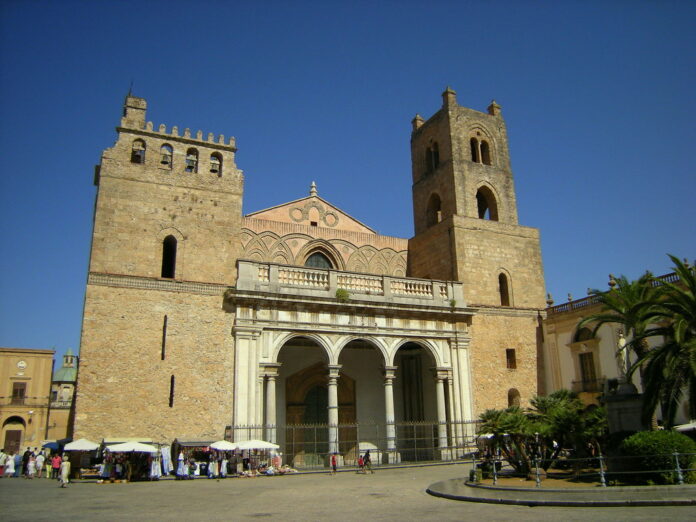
(124, 384)
(492, 332)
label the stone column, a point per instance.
(270, 371)
(440, 377)
(333, 407)
(245, 370)
(389, 375)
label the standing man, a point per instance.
(25, 461)
(55, 466)
(368, 462)
(333, 463)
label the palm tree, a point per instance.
(631, 305)
(669, 369)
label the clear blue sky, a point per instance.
(598, 98)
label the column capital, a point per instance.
(441, 373)
(334, 370)
(270, 370)
(390, 372)
(246, 332)
(460, 343)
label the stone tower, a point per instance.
(466, 229)
(164, 248)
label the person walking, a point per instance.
(10, 465)
(55, 466)
(40, 465)
(333, 463)
(25, 461)
(64, 472)
(368, 462)
(3, 461)
(17, 464)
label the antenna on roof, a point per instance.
(130, 89)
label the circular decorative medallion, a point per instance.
(21, 365)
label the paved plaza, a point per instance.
(394, 494)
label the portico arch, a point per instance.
(319, 340)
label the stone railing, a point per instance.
(298, 280)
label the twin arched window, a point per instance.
(480, 151)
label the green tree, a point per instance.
(669, 370)
(631, 304)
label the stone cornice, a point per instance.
(154, 283)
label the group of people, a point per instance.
(34, 463)
(365, 463)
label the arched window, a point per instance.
(583, 334)
(166, 155)
(169, 257)
(473, 142)
(487, 206)
(432, 157)
(513, 397)
(485, 153)
(192, 160)
(216, 164)
(434, 211)
(504, 291)
(138, 152)
(319, 260)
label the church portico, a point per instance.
(340, 364)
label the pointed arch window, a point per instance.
(485, 153)
(486, 203)
(216, 163)
(432, 157)
(192, 160)
(138, 152)
(319, 260)
(166, 156)
(504, 290)
(434, 211)
(169, 257)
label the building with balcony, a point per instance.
(60, 422)
(299, 323)
(25, 383)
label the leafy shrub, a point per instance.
(653, 450)
(342, 295)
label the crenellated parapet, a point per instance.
(169, 156)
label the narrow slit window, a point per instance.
(164, 338)
(171, 391)
(511, 358)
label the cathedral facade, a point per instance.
(202, 323)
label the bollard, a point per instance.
(602, 479)
(538, 477)
(680, 477)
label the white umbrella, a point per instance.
(130, 447)
(223, 445)
(255, 444)
(686, 427)
(81, 445)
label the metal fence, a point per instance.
(308, 446)
(668, 468)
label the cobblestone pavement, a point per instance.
(394, 494)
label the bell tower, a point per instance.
(465, 208)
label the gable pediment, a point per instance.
(312, 211)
